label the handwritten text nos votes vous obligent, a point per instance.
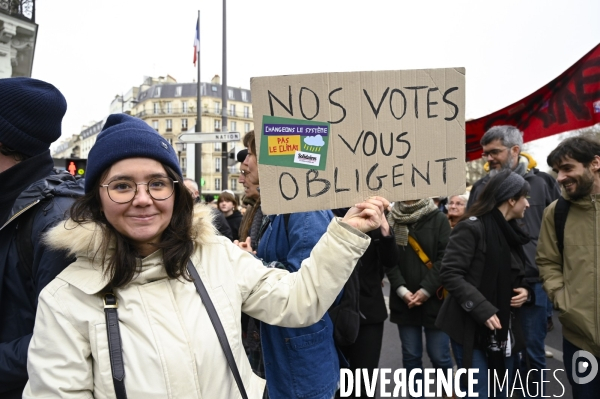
(371, 143)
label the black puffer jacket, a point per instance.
(19, 285)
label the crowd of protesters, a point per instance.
(128, 283)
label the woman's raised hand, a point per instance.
(367, 215)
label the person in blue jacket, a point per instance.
(298, 362)
(33, 198)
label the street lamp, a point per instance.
(122, 100)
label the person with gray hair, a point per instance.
(456, 206)
(502, 150)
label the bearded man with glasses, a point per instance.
(502, 150)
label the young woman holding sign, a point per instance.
(127, 317)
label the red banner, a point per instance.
(571, 101)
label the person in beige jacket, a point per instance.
(133, 233)
(571, 279)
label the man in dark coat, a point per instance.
(33, 194)
(502, 149)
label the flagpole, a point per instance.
(224, 94)
(198, 146)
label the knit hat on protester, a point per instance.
(31, 113)
(241, 155)
(511, 186)
(123, 137)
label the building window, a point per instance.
(233, 184)
(217, 125)
(178, 91)
(218, 108)
(184, 125)
(232, 109)
(233, 127)
(246, 127)
(230, 94)
(169, 107)
(214, 88)
(157, 91)
(246, 112)
(244, 95)
(217, 164)
(155, 125)
(169, 125)
(218, 184)
(156, 108)
(184, 107)
(217, 146)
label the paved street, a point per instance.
(391, 356)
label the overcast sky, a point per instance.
(94, 50)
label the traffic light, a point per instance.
(76, 166)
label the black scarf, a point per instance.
(501, 237)
(16, 179)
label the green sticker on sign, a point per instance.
(295, 143)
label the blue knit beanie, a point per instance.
(123, 137)
(31, 113)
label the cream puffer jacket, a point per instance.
(170, 348)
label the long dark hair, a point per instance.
(122, 266)
(486, 201)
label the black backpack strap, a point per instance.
(216, 322)
(115, 349)
(24, 241)
(560, 219)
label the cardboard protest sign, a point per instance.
(331, 140)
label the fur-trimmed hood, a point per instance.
(84, 240)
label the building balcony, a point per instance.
(190, 111)
(231, 114)
(21, 9)
(233, 170)
(17, 37)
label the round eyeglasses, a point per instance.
(123, 191)
(458, 204)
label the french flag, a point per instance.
(197, 41)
